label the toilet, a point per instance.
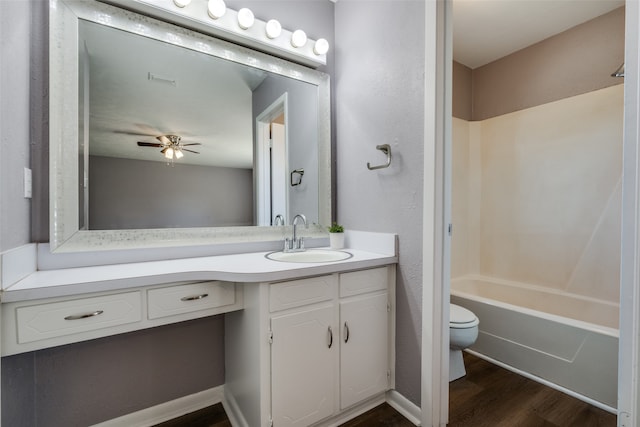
(463, 331)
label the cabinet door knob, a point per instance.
(346, 332)
(330, 337)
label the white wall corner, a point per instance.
(16, 264)
(407, 408)
(382, 243)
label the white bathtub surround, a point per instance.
(553, 336)
(537, 198)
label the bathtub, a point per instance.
(566, 341)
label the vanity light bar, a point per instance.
(214, 18)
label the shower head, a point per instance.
(619, 72)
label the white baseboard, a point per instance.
(407, 408)
(233, 411)
(168, 410)
(194, 402)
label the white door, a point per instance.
(302, 367)
(364, 351)
(278, 172)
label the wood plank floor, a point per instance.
(214, 416)
(490, 396)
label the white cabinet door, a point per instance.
(303, 366)
(364, 351)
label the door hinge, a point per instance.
(389, 377)
(270, 337)
(450, 229)
(270, 422)
(388, 307)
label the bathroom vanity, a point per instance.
(305, 343)
(305, 350)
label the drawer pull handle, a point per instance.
(194, 298)
(84, 316)
(346, 332)
(330, 337)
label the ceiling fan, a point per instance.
(172, 147)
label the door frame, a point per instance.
(629, 344)
(436, 213)
(437, 193)
(262, 174)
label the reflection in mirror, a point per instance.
(170, 137)
(183, 146)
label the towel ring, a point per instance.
(386, 149)
(300, 174)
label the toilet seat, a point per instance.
(461, 318)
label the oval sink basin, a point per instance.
(310, 255)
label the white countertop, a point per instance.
(247, 268)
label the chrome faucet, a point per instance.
(295, 244)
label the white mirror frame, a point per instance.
(64, 234)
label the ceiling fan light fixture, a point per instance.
(179, 154)
(168, 153)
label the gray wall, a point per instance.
(93, 381)
(105, 378)
(15, 49)
(379, 85)
(126, 193)
(302, 146)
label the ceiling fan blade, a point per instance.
(126, 132)
(191, 151)
(149, 144)
(163, 139)
(191, 143)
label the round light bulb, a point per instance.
(216, 8)
(181, 3)
(298, 38)
(321, 47)
(245, 18)
(273, 29)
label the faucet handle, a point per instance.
(287, 244)
(301, 243)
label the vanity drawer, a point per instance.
(301, 292)
(363, 281)
(189, 298)
(38, 322)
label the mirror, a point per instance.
(217, 108)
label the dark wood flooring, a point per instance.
(214, 416)
(490, 396)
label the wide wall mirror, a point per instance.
(164, 136)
